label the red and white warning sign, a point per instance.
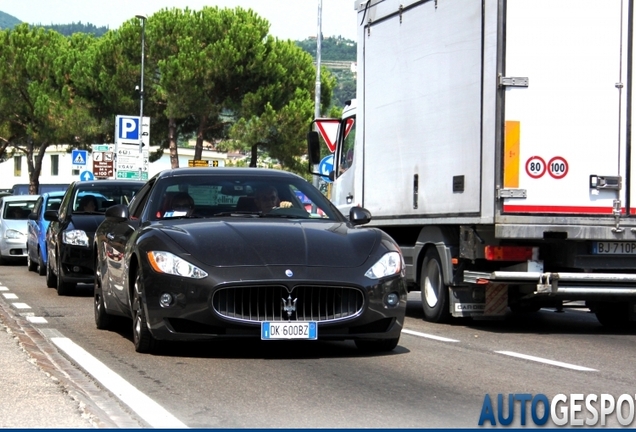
(558, 167)
(328, 129)
(535, 167)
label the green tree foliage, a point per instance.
(38, 103)
(213, 73)
(78, 27)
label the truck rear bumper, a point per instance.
(566, 284)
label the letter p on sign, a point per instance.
(129, 128)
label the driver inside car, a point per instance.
(266, 200)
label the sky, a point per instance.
(289, 19)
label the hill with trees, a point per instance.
(8, 21)
(336, 54)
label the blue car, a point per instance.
(36, 230)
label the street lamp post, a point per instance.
(141, 93)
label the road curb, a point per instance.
(100, 407)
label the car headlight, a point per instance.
(390, 264)
(75, 238)
(13, 234)
(165, 262)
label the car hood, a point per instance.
(15, 224)
(87, 222)
(258, 243)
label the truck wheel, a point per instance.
(434, 291)
(613, 315)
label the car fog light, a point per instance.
(392, 299)
(76, 269)
(166, 300)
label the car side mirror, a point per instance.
(118, 212)
(359, 216)
(51, 215)
(313, 147)
(33, 216)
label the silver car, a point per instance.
(14, 213)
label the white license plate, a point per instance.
(614, 248)
(289, 330)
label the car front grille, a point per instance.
(277, 303)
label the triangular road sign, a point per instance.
(328, 129)
(79, 160)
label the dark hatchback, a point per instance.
(69, 237)
(216, 266)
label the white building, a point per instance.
(57, 165)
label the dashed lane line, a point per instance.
(547, 361)
(428, 336)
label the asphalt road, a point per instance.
(439, 376)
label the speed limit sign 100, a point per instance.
(535, 167)
(558, 167)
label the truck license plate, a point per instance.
(289, 330)
(614, 248)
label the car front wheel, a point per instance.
(51, 279)
(144, 341)
(63, 288)
(102, 319)
(41, 265)
(31, 265)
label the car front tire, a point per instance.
(144, 340)
(41, 265)
(51, 279)
(63, 288)
(31, 265)
(102, 318)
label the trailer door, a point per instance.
(565, 133)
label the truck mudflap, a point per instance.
(567, 285)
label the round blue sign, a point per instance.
(86, 176)
(325, 167)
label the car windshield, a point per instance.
(97, 199)
(18, 210)
(201, 196)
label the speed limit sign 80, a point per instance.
(535, 167)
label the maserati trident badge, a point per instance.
(289, 306)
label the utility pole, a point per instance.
(316, 180)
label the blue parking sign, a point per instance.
(128, 127)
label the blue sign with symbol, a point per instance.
(128, 128)
(87, 176)
(325, 167)
(79, 157)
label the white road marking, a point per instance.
(21, 306)
(10, 296)
(428, 336)
(36, 320)
(4, 288)
(146, 408)
(547, 361)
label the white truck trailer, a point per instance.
(492, 140)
